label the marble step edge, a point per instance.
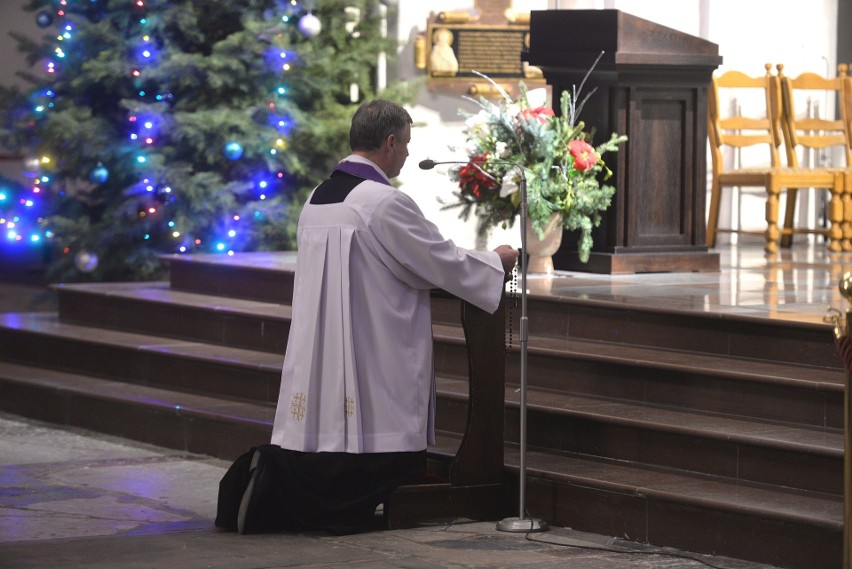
(746, 370)
(826, 442)
(160, 295)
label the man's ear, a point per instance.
(390, 141)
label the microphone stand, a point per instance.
(522, 523)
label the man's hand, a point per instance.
(508, 256)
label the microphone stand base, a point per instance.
(518, 525)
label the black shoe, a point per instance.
(247, 503)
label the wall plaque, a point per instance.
(492, 42)
(457, 51)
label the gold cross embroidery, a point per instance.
(349, 407)
(298, 405)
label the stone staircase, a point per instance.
(703, 432)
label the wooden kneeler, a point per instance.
(476, 487)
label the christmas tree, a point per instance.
(184, 126)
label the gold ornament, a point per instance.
(834, 316)
(845, 286)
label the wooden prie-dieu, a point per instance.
(476, 488)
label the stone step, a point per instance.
(164, 417)
(156, 309)
(221, 371)
(638, 431)
(766, 524)
(263, 276)
(693, 331)
(568, 317)
(774, 453)
(709, 382)
(687, 510)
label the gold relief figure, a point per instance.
(443, 60)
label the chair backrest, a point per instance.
(813, 130)
(843, 71)
(737, 129)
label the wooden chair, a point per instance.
(843, 71)
(763, 129)
(808, 132)
(735, 131)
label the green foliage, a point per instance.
(216, 76)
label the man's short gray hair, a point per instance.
(374, 121)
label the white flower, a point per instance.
(479, 119)
(509, 187)
(501, 149)
(472, 148)
(537, 97)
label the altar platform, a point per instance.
(796, 284)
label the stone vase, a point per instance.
(541, 249)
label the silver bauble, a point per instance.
(310, 25)
(85, 261)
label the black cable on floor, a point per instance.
(655, 551)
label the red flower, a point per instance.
(472, 179)
(583, 153)
(541, 113)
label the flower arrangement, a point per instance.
(562, 169)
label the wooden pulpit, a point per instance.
(651, 84)
(476, 488)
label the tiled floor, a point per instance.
(73, 499)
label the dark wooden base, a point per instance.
(628, 263)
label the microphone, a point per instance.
(428, 164)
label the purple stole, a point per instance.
(361, 170)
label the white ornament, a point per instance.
(353, 18)
(86, 262)
(32, 166)
(310, 25)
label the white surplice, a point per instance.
(358, 372)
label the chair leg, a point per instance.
(836, 215)
(789, 217)
(847, 211)
(773, 191)
(713, 214)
